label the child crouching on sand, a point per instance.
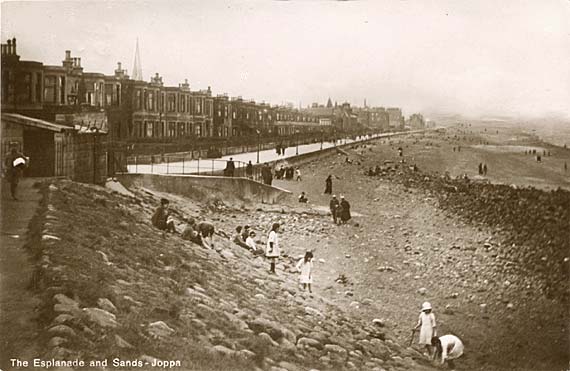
(305, 267)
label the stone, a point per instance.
(367, 301)
(56, 341)
(159, 329)
(107, 305)
(65, 304)
(62, 330)
(333, 348)
(122, 343)
(313, 312)
(62, 318)
(100, 317)
(222, 351)
(267, 339)
(227, 254)
(259, 296)
(422, 291)
(49, 237)
(305, 342)
(380, 322)
(289, 366)
(263, 325)
(246, 354)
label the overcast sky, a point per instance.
(457, 56)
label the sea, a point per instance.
(556, 132)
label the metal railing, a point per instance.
(169, 164)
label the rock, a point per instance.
(333, 348)
(222, 351)
(263, 325)
(422, 291)
(159, 329)
(313, 312)
(367, 302)
(305, 342)
(65, 304)
(49, 237)
(107, 305)
(289, 366)
(259, 296)
(63, 330)
(227, 254)
(448, 309)
(100, 317)
(267, 339)
(121, 343)
(510, 306)
(354, 304)
(348, 293)
(246, 354)
(379, 322)
(56, 341)
(62, 318)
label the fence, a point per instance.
(168, 164)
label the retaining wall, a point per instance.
(203, 187)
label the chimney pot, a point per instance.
(67, 54)
(119, 66)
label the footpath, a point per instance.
(17, 303)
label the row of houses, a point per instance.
(73, 103)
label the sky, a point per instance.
(474, 58)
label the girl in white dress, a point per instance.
(272, 252)
(305, 267)
(428, 327)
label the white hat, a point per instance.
(334, 196)
(341, 196)
(18, 161)
(426, 306)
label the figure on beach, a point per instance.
(449, 347)
(334, 205)
(328, 185)
(191, 233)
(298, 174)
(266, 174)
(272, 252)
(237, 238)
(480, 168)
(303, 198)
(305, 268)
(485, 169)
(344, 210)
(161, 218)
(427, 326)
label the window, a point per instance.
(198, 106)
(198, 130)
(149, 129)
(151, 100)
(138, 99)
(163, 102)
(38, 87)
(171, 102)
(234, 115)
(171, 129)
(50, 87)
(219, 113)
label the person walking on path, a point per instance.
(427, 326)
(14, 165)
(328, 185)
(480, 168)
(298, 174)
(334, 205)
(345, 210)
(565, 166)
(449, 347)
(305, 268)
(230, 167)
(485, 169)
(272, 252)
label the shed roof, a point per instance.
(14, 118)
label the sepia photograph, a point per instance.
(285, 185)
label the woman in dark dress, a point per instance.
(328, 185)
(345, 210)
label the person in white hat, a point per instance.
(427, 326)
(450, 347)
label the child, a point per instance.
(427, 330)
(303, 198)
(272, 252)
(449, 347)
(305, 267)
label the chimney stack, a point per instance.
(14, 46)
(68, 54)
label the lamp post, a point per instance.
(321, 139)
(297, 141)
(258, 144)
(95, 131)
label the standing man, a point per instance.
(249, 170)
(230, 167)
(14, 165)
(334, 204)
(272, 252)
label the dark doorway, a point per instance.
(39, 146)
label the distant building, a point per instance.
(396, 119)
(416, 122)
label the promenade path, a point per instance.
(17, 304)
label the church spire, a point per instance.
(137, 68)
(329, 103)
